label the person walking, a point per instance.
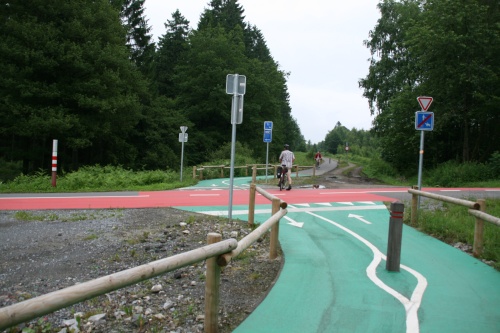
(286, 159)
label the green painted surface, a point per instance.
(324, 286)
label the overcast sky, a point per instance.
(320, 42)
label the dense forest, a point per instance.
(448, 50)
(89, 74)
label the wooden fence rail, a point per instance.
(476, 209)
(198, 171)
(217, 253)
(48, 303)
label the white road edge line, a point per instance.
(411, 306)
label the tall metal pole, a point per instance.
(234, 109)
(182, 157)
(420, 165)
(267, 159)
(182, 139)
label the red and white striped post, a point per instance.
(54, 162)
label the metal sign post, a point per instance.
(235, 85)
(268, 137)
(424, 121)
(183, 137)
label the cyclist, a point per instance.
(286, 159)
(318, 158)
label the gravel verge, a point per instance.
(44, 251)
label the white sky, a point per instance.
(320, 42)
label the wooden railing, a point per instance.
(476, 209)
(217, 253)
(198, 171)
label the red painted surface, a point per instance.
(195, 198)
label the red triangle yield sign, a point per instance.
(424, 102)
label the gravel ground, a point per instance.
(44, 251)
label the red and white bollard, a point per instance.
(54, 163)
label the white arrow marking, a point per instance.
(346, 203)
(359, 217)
(367, 202)
(294, 223)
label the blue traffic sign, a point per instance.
(268, 136)
(268, 125)
(424, 121)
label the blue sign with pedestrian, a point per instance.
(424, 121)
(268, 125)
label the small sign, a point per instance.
(424, 121)
(268, 125)
(183, 137)
(184, 129)
(240, 85)
(268, 136)
(425, 102)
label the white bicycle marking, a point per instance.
(411, 305)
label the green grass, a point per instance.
(98, 179)
(452, 224)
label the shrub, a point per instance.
(452, 173)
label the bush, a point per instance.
(494, 165)
(452, 174)
(9, 170)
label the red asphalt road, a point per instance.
(185, 198)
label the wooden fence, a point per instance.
(476, 209)
(217, 253)
(198, 171)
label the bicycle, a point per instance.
(283, 178)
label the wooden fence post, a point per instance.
(477, 247)
(254, 173)
(194, 172)
(395, 236)
(414, 207)
(212, 286)
(273, 244)
(251, 205)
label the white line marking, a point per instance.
(346, 203)
(80, 197)
(449, 190)
(359, 217)
(293, 222)
(292, 209)
(411, 305)
(205, 195)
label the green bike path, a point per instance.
(334, 277)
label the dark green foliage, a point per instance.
(87, 74)
(494, 164)
(452, 174)
(444, 49)
(66, 75)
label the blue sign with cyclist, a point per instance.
(268, 136)
(268, 131)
